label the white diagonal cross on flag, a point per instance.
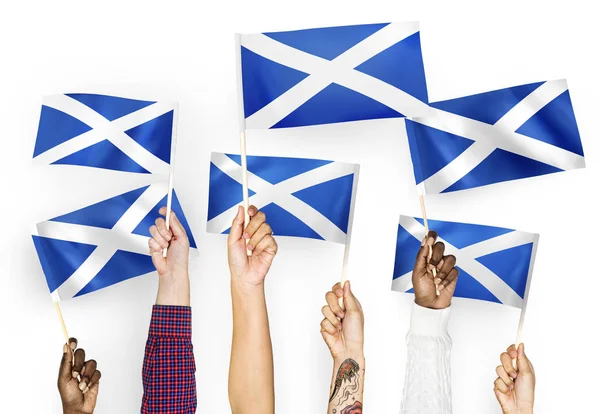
(281, 194)
(119, 237)
(501, 135)
(466, 259)
(323, 72)
(102, 129)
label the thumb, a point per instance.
(64, 373)
(237, 227)
(423, 254)
(350, 301)
(522, 361)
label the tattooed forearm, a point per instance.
(346, 394)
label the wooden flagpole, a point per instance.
(242, 127)
(171, 171)
(424, 213)
(62, 321)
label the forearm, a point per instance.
(427, 382)
(251, 367)
(347, 384)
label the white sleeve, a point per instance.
(427, 381)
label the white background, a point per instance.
(184, 52)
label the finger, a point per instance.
(255, 222)
(330, 316)
(504, 376)
(252, 210)
(267, 244)
(421, 261)
(437, 254)
(334, 304)
(501, 386)
(154, 246)
(237, 227)
(328, 327)
(177, 227)
(337, 289)
(350, 301)
(64, 372)
(95, 378)
(88, 370)
(512, 351)
(523, 362)
(78, 362)
(448, 264)
(508, 366)
(431, 238)
(157, 236)
(448, 281)
(94, 383)
(262, 231)
(161, 225)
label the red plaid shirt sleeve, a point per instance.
(168, 374)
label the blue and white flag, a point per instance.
(503, 135)
(106, 132)
(301, 197)
(495, 264)
(332, 74)
(102, 244)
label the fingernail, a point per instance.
(339, 292)
(73, 345)
(437, 280)
(513, 354)
(82, 385)
(75, 374)
(440, 287)
(86, 390)
(83, 371)
(250, 247)
(340, 315)
(246, 236)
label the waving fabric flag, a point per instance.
(495, 264)
(503, 135)
(332, 74)
(106, 132)
(301, 197)
(102, 244)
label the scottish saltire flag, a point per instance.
(301, 197)
(331, 74)
(503, 135)
(106, 132)
(495, 264)
(102, 244)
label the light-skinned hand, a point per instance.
(515, 387)
(173, 278)
(343, 327)
(250, 270)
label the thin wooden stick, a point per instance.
(245, 183)
(62, 322)
(171, 170)
(424, 213)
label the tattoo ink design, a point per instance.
(355, 408)
(347, 371)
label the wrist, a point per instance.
(173, 290)
(238, 284)
(356, 355)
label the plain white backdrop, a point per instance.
(185, 52)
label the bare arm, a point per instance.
(342, 330)
(251, 388)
